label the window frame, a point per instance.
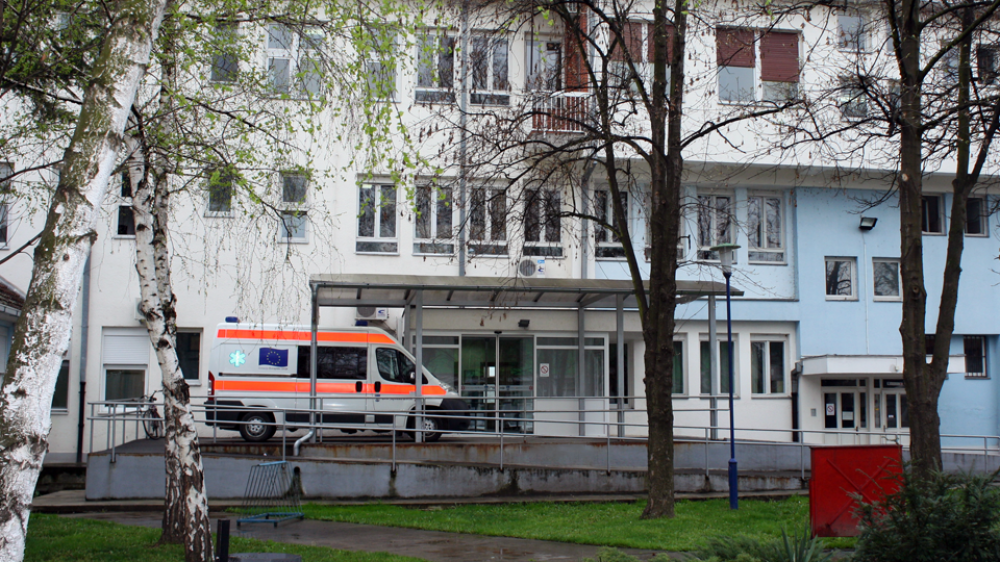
(859, 42)
(378, 212)
(539, 203)
(533, 81)
(984, 217)
(924, 222)
(126, 210)
(224, 67)
(498, 91)
(984, 347)
(489, 240)
(852, 99)
(898, 297)
(297, 56)
(219, 187)
(379, 65)
(438, 245)
(759, 87)
(704, 252)
(605, 240)
(768, 381)
(721, 341)
(442, 84)
(196, 380)
(780, 249)
(853, 262)
(301, 233)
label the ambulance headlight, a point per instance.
(448, 388)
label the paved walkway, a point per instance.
(430, 545)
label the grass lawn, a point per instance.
(609, 524)
(51, 537)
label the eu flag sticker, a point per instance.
(273, 357)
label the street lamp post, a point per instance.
(726, 257)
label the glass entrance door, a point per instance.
(499, 391)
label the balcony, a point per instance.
(560, 112)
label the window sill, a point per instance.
(60, 411)
(887, 299)
(293, 240)
(841, 299)
(967, 235)
(769, 396)
(778, 263)
(377, 253)
(218, 215)
(934, 233)
(193, 382)
(123, 237)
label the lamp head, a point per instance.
(726, 256)
(868, 223)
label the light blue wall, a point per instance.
(823, 222)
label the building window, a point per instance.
(293, 188)
(293, 61)
(767, 367)
(987, 58)
(225, 60)
(545, 64)
(678, 387)
(543, 223)
(976, 215)
(706, 371)
(975, 356)
(634, 36)
(490, 85)
(764, 229)
(377, 220)
(488, 222)
(435, 221)
(189, 354)
(715, 224)
(853, 33)
(293, 226)
(6, 172)
(380, 65)
(436, 67)
(840, 279)
(126, 358)
(737, 55)
(852, 97)
(609, 245)
(126, 214)
(933, 215)
(886, 280)
(220, 194)
(60, 399)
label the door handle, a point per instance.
(358, 387)
(378, 386)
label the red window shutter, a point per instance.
(575, 65)
(633, 40)
(670, 43)
(734, 47)
(779, 57)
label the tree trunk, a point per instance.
(658, 321)
(185, 516)
(43, 331)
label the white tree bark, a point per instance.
(185, 503)
(43, 331)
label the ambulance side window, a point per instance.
(393, 366)
(335, 363)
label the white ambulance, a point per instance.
(259, 376)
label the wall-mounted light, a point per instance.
(523, 323)
(867, 223)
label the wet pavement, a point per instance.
(430, 545)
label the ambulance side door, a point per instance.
(341, 385)
(394, 386)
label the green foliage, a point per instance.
(799, 548)
(63, 539)
(606, 524)
(606, 554)
(945, 517)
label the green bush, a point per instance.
(798, 548)
(945, 517)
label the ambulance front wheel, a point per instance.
(257, 426)
(431, 427)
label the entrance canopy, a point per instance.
(489, 292)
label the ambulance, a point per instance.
(259, 379)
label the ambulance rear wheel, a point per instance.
(257, 426)
(431, 427)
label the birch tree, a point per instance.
(43, 331)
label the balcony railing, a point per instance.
(560, 112)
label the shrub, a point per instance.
(799, 548)
(941, 518)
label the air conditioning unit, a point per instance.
(531, 267)
(371, 313)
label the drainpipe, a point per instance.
(84, 332)
(462, 140)
(301, 440)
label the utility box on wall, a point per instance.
(839, 473)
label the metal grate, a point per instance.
(271, 496)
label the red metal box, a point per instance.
(839, 473)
